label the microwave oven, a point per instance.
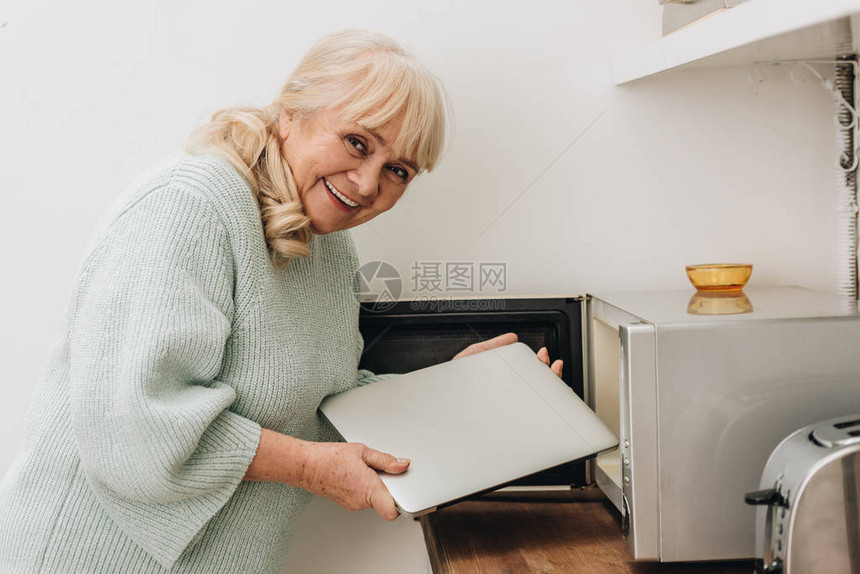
(698, 400)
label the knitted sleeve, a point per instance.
(158, 443)
(366, 377)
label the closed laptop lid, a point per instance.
(469, 425)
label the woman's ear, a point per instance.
(285, 124)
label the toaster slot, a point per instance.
(847, 424)
(842, 432)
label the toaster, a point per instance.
(808, 515)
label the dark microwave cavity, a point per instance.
(412, 335)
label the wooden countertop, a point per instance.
(563, 531)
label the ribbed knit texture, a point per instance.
(180, 343)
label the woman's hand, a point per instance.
(557, 365)
(343, 472)
(507, 339)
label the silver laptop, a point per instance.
(469, 425)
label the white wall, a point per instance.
(686, 167)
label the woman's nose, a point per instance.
(366, 179)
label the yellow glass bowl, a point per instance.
(719, 277)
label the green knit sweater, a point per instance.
(181, 342)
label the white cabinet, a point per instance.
(757, 30)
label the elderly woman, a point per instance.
(175, 427)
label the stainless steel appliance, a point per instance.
(700, 401)
(809, 506)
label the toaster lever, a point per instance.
(769, 497)
(774, 567)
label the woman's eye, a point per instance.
(399, 172)
(357, 144)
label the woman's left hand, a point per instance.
(556, 366)
(507, 339)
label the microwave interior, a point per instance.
(411, 335)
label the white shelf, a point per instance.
(757, 30)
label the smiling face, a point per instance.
(346, 174)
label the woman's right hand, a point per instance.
(343, 472)
(346, 473)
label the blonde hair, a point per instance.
(371, 80)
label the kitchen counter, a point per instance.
(554, 531)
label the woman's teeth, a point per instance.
(345, 200)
